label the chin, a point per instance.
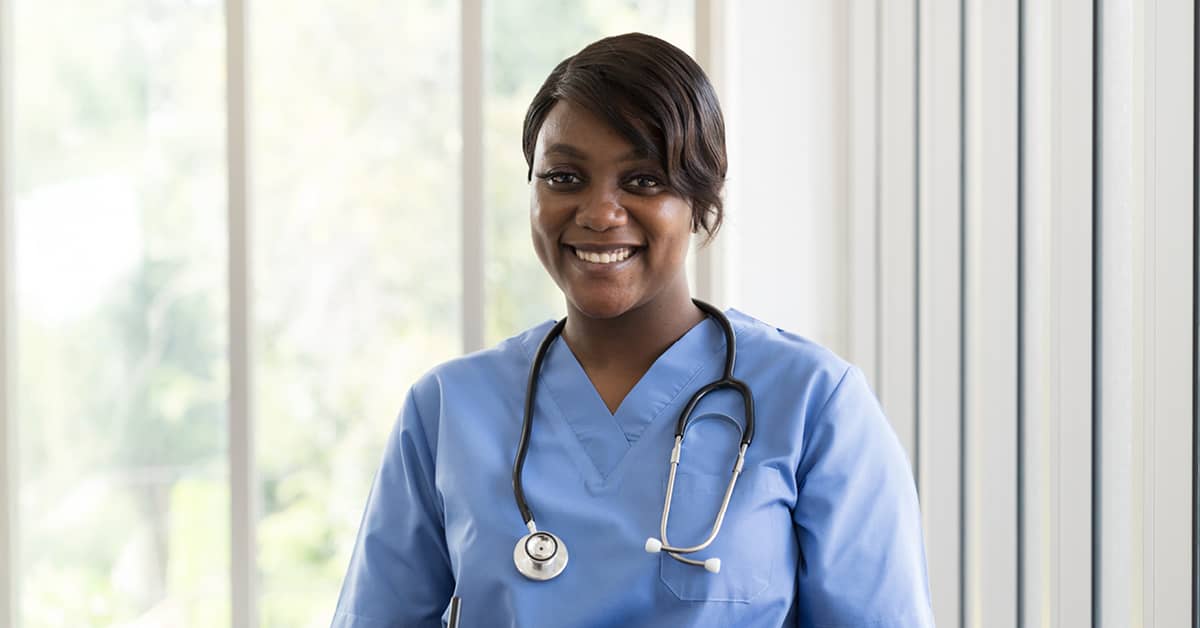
(601, 306)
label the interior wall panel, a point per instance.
(990, 313)
(897, 219)
(1195, 317)
(792, 235)
(1072, 314)
(1165, 298)
(939, 298)
(863, 187)
(1038, 489)
(1146, 326)
(1118, 512)
(1077, 231)
(1056, 369)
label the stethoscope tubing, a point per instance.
(727, 381)
(527, 424)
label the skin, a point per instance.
(592, 191)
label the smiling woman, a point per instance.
(619, 192)
(606, 226)
(519, 294)
(818, 524)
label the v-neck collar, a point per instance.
(607, 437)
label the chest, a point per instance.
(604, 514)
(612, 385)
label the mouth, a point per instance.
(606, 257)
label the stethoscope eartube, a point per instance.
(540, 555)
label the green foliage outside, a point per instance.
(355, 179)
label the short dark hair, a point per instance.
(658, 99)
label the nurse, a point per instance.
(626, 153)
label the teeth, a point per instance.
(608, 257)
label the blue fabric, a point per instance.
(823, 529)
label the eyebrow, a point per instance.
(571, 151)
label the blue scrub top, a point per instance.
(823, 529)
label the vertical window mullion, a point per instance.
(241, 425)
(9, 563)
(709, 28)
(471, 70)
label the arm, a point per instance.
(399, 572)
(857, 520)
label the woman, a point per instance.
(626, 150)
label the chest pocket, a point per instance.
(756, 536)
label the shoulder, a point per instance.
(786, 359)
(757, 335)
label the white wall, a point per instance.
(785, 100)
(989, 207)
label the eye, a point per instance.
(645, 182)
(560, 178)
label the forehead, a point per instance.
(569, 125)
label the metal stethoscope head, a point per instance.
(540, 555)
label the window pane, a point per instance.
(355, 172)
(120, 224)
(523, 42)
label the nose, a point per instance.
(601, 211)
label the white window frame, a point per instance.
(9, 556)
(243, 484)
(473, 217)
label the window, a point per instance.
(354, 161)
(120, 216)
(122, 288)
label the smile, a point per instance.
(605, 257)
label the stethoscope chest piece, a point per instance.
(540, 555)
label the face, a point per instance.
(607, 228)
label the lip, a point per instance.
(593, 267)
(602, 247)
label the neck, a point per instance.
(636, 338)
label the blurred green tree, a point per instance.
(355, 172)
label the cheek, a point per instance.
(674, 225)
(537, 217)
(545, 212)
(542, 229)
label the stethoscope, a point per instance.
(541, 555)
